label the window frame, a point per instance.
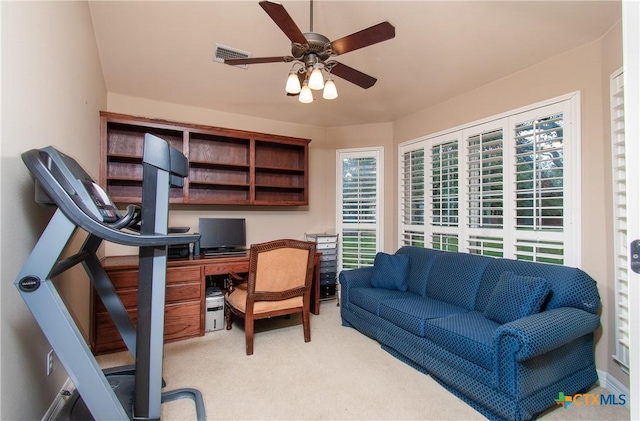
(360, 153)
(569, 106)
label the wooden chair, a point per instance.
(278, 283)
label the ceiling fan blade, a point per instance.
(372, 35)
(279, 15)
(258, 60)
(352, 75)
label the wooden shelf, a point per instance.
(226, 166)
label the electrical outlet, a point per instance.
(50, 362)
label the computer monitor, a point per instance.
(222, 234)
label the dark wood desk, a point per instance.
(185, 307)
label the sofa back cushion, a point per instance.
(390, 271)
(420, 263)
(569, 287)
(455, 278)
(515, 297)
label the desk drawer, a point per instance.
(123, 278)
(130, 278)
(223, 268)
(189, 274)
(174, 293)
(181, 321)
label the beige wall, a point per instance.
(577, 70)
(52, 90)
(263, 223)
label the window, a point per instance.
(507, 186)
(443, 201)
(412, 204)
(620, 241)
(485, 183)
(359, 219)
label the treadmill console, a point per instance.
(79, 185)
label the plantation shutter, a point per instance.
(412, 200)
(485, 189)
(444, 200)
(360, 207)
(620, 239)
(541, 211)
(507, 186)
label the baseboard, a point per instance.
(614, 386)
(58, 403)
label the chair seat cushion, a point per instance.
(468, 335)
(411, 313)
(238, 300)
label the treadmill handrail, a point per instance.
(72, 211)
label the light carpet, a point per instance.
(340, 375)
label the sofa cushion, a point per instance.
(411, 313)
(455, 278)
(390, 271)
(570, 287)
(515, 297)
(370, 298)
(468, 335)
(421, 260)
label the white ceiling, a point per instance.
(164, 51)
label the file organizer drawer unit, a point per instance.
(327, 245)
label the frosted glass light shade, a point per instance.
(306, 96)
(316, 81)
(330, 91)
(293, 84)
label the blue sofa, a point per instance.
(505, 336)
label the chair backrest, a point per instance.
(280, 269)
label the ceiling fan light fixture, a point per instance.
(293, 83)
(330, 91)
(306, 96)
(316, 80)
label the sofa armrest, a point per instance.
(535, 335)
(542, 332)
(353, 278)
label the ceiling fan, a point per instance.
(313, 52)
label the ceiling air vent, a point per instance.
(223, 52)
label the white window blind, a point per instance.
(539, 173)
(359, 206)
(620, 239)
(485, 180)
(539, 185)
(444, 203)
(412, 200)
(507, 186)
(485, 185)
(444, 184)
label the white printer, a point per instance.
(215, 309)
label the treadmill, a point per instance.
(123, 393)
